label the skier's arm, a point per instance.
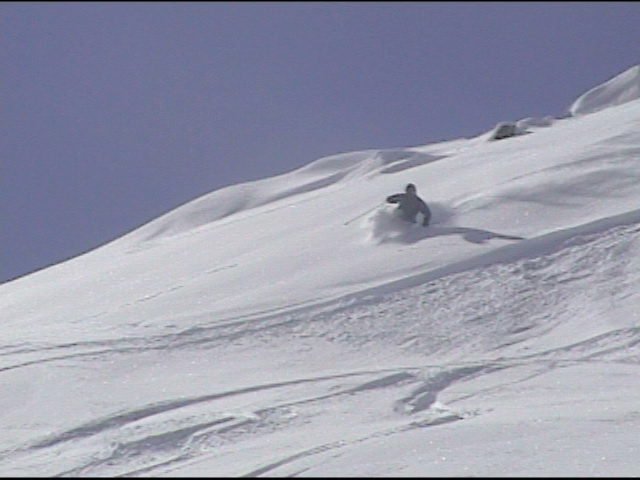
(394, 198)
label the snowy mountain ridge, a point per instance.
(619, 90)
(293, 326)
(324, 172)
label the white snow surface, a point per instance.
(293, 326)
(620, 89)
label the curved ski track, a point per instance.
(414, 317)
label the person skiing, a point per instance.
(409, 204)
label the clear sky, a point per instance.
(115, 113)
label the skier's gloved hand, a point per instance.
(425, 223)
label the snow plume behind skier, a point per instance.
(397, 225)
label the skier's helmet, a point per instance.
(410, 188)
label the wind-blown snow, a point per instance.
(294, 326)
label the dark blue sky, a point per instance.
(115, 113)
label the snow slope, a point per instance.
(620, 89)
(293, 326)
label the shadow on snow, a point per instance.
(386, 226)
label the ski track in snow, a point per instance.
(530, 252)
(157, 437)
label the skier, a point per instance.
(409, 204)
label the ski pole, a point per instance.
(362, 214)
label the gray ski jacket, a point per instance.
(410, 205)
